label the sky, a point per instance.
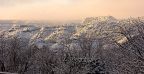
(63, 10)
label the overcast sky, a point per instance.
(69, 9)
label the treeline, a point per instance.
(115, 50)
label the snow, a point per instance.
(55, 47)
(43, 35)
(123, 40)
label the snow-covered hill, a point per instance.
(53, 35)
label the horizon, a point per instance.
(68, 10)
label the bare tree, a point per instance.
(131, 44)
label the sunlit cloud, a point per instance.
(69, 9)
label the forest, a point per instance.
(100, 45)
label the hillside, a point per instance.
(105, 42)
